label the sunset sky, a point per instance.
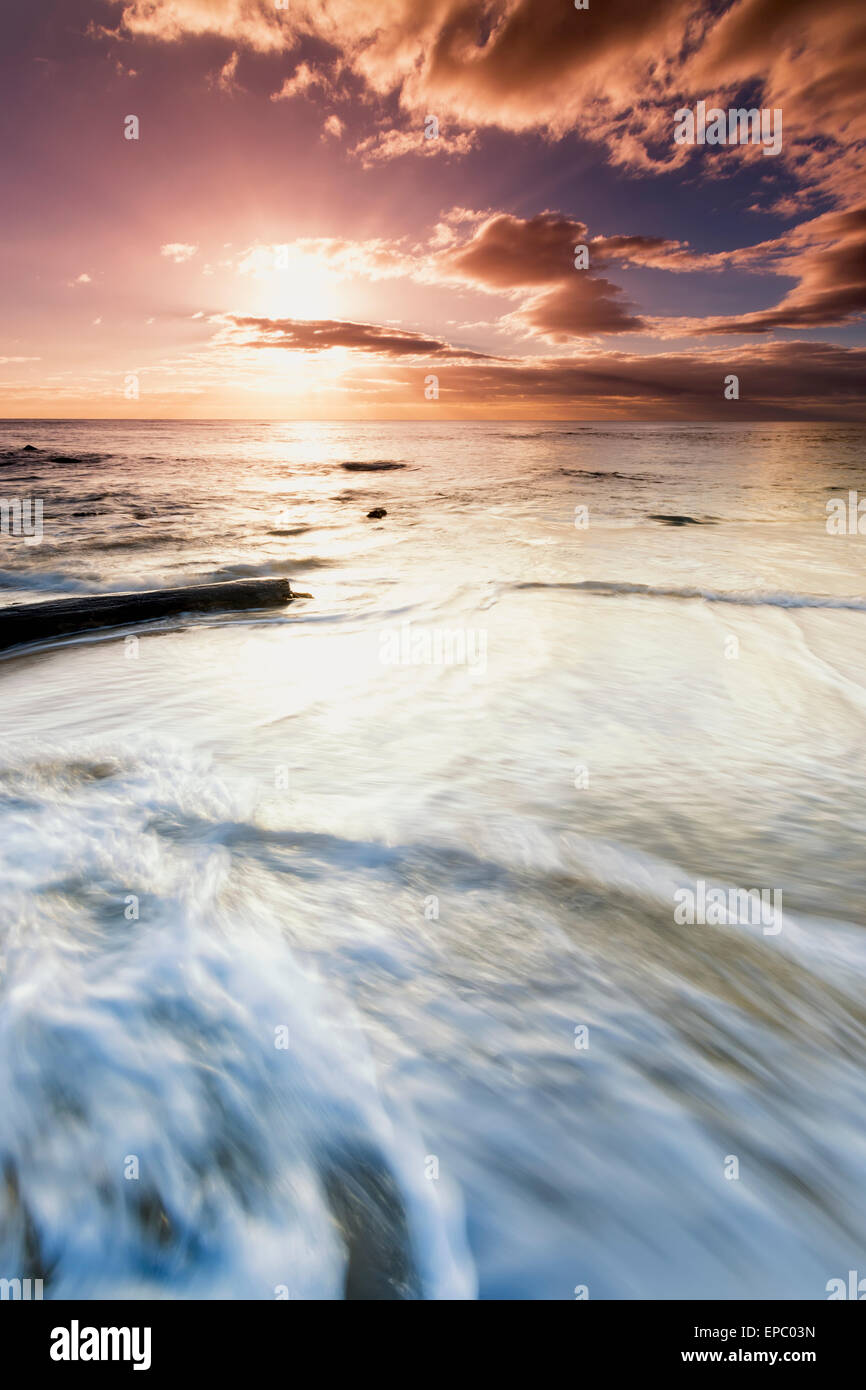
(284, 241)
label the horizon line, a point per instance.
(390, 420)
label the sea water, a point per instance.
(339, 948)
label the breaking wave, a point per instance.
(609, 589)
(208, 1110)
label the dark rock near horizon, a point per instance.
(376, 466)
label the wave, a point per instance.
(207, 1109)
(267, 569)
(603, 588)
(30, 454)
(594, 432)
(609, 473)
(39, 580)
(103, 544)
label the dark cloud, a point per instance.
(317, 335)
(616, 71)
(525, 64)
(517, 65)
(777, 381)
(831, 271)
(510, 254)
(580, 307)
(810, 57)
(827, 256)
(507, 253)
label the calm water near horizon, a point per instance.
(354, 925)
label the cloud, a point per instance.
(178, 251)
(226, 79)
(615, 72)
(809, 56)
(587, 305)
(512, 63)
(778, 380)
(333, 126)
(507, 254)
(303, 80)
(806, 59)
(378, 258)
(794, 380)
(319, 335)
(831, 273)
(392, 144)
(531, 261)
(82, 279)
(256, 24)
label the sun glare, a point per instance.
(293, 284)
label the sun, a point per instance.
(288, 283)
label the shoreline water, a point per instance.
(454, 888)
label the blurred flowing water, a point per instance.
(338, 952)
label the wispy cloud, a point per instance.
(226, 79)
(312, 335)
(178, 251)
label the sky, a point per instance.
(316, 209)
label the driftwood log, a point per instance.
(39, 622)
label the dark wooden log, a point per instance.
(38, 622)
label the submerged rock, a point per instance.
(37, 622)
(368, 1209)
(375, 466)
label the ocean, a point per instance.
(399, 942)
